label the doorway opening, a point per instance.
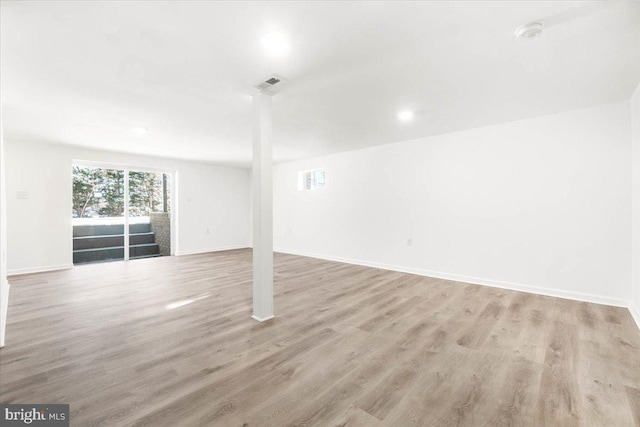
(120, 213)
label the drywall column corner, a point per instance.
(262, 177)
(4, 285)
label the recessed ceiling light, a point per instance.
(140, 130)
(530, 30)
(276, 44)
(405, 115)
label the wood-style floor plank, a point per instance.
(169, 341)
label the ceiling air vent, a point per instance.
(267, 85)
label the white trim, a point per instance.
(578, 296)
(263, 319)
(635, 314)
(6, 286)
(42, 269)
(120, 166)
(218, 249)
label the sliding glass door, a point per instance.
(98, 214)
(149, 216)
(120, 214)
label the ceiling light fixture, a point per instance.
(405, 116)
(276, 44)
(529, 31)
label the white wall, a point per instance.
(635, 131)
(39, 228)
(542, 204)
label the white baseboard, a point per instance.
(263, 319)
(43, 269)
(218, 249)
(578, 296)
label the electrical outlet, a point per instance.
(208, 231)
(289, 231)
(22, 195)
(409, 241)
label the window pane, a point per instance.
(310, 180)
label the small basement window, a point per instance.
(310, 180)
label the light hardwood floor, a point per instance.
(169, 342)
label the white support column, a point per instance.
(4, 285)
(262, 208)
(126, 214)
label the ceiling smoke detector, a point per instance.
(267, 85)
(530, 30)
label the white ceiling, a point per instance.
(88, 73)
